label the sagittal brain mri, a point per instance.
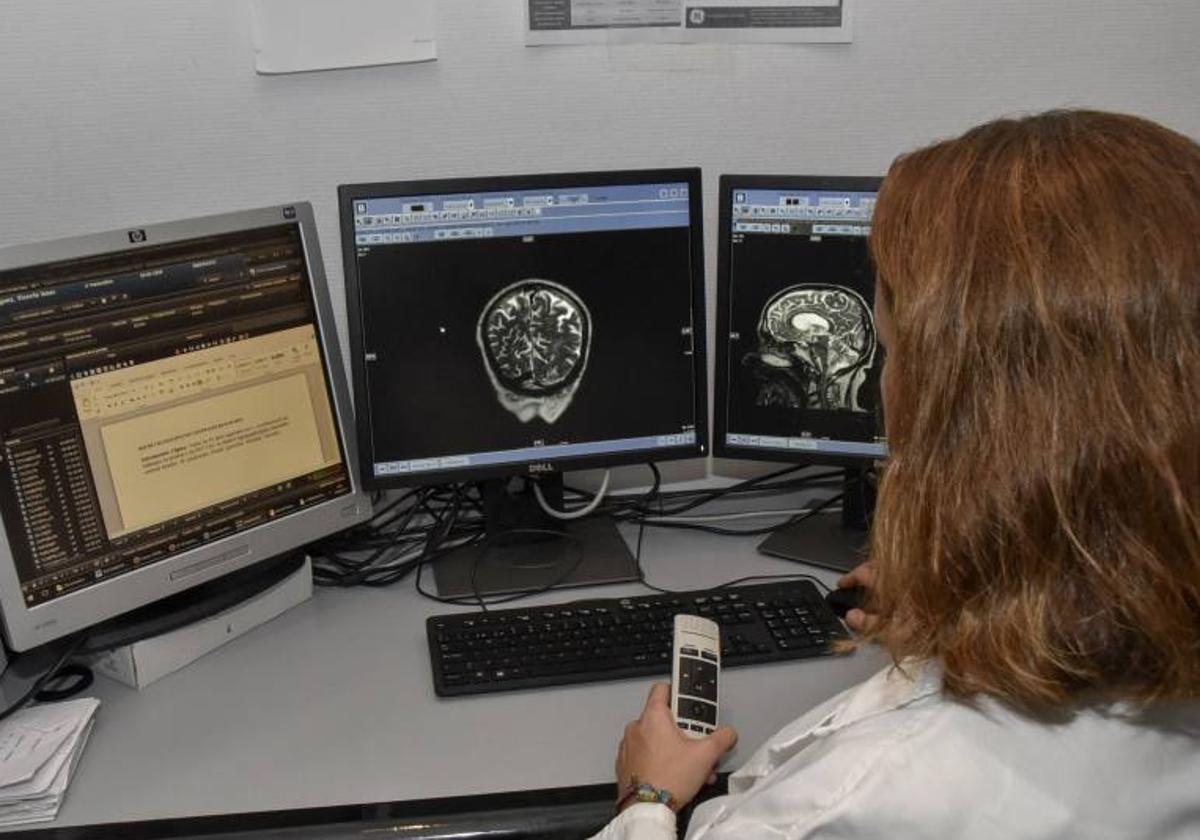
(535, 336)
(816, 344)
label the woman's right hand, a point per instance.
(863, 575)
(654, 751)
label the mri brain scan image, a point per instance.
(535, 336)
(816, 344)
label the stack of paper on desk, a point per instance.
(39, 748)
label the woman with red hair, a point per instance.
(1035, 554)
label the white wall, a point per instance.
(114, 112)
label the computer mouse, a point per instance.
(841, 601)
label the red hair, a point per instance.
(1038, 529)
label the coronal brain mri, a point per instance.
(535, 336)
(816, 344)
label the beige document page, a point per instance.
(184, 458)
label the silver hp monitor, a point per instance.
(172, 410)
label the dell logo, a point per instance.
(289, 212)
(136, 236)
(541, 468)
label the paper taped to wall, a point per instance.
(687, 21)
(294, 36)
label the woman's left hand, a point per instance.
(657, 753)
(863, 575)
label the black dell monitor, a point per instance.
(524, 326)
(798, 358)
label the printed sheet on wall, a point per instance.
(297, 36)
(687, 21)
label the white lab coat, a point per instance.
(893, 758)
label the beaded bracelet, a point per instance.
(645, 792)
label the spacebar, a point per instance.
(582, 666)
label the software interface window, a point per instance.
(526, 325)
(804, 359)
(157, 400)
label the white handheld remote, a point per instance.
(695, 670)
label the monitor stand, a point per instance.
(192, 605)
(835, 541)
(21, 674)
(527, 550)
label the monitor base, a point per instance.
(589, 552)
(192, 605)
(822, 540)
(22, 674)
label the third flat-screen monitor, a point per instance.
(798, 358)
(525, 324)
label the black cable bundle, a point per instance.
(422, 525)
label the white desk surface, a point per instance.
(332, 704)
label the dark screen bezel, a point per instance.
(727, 186)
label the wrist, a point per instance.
(638, 791)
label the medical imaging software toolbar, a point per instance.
(803, 212)
(445, 218)
(531, 308)
(804, 360)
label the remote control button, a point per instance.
(687, 676)
(704, 682)
(695, 727)
(688, 651)
(709, 655)
(700, 710)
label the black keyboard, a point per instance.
(614, 638)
